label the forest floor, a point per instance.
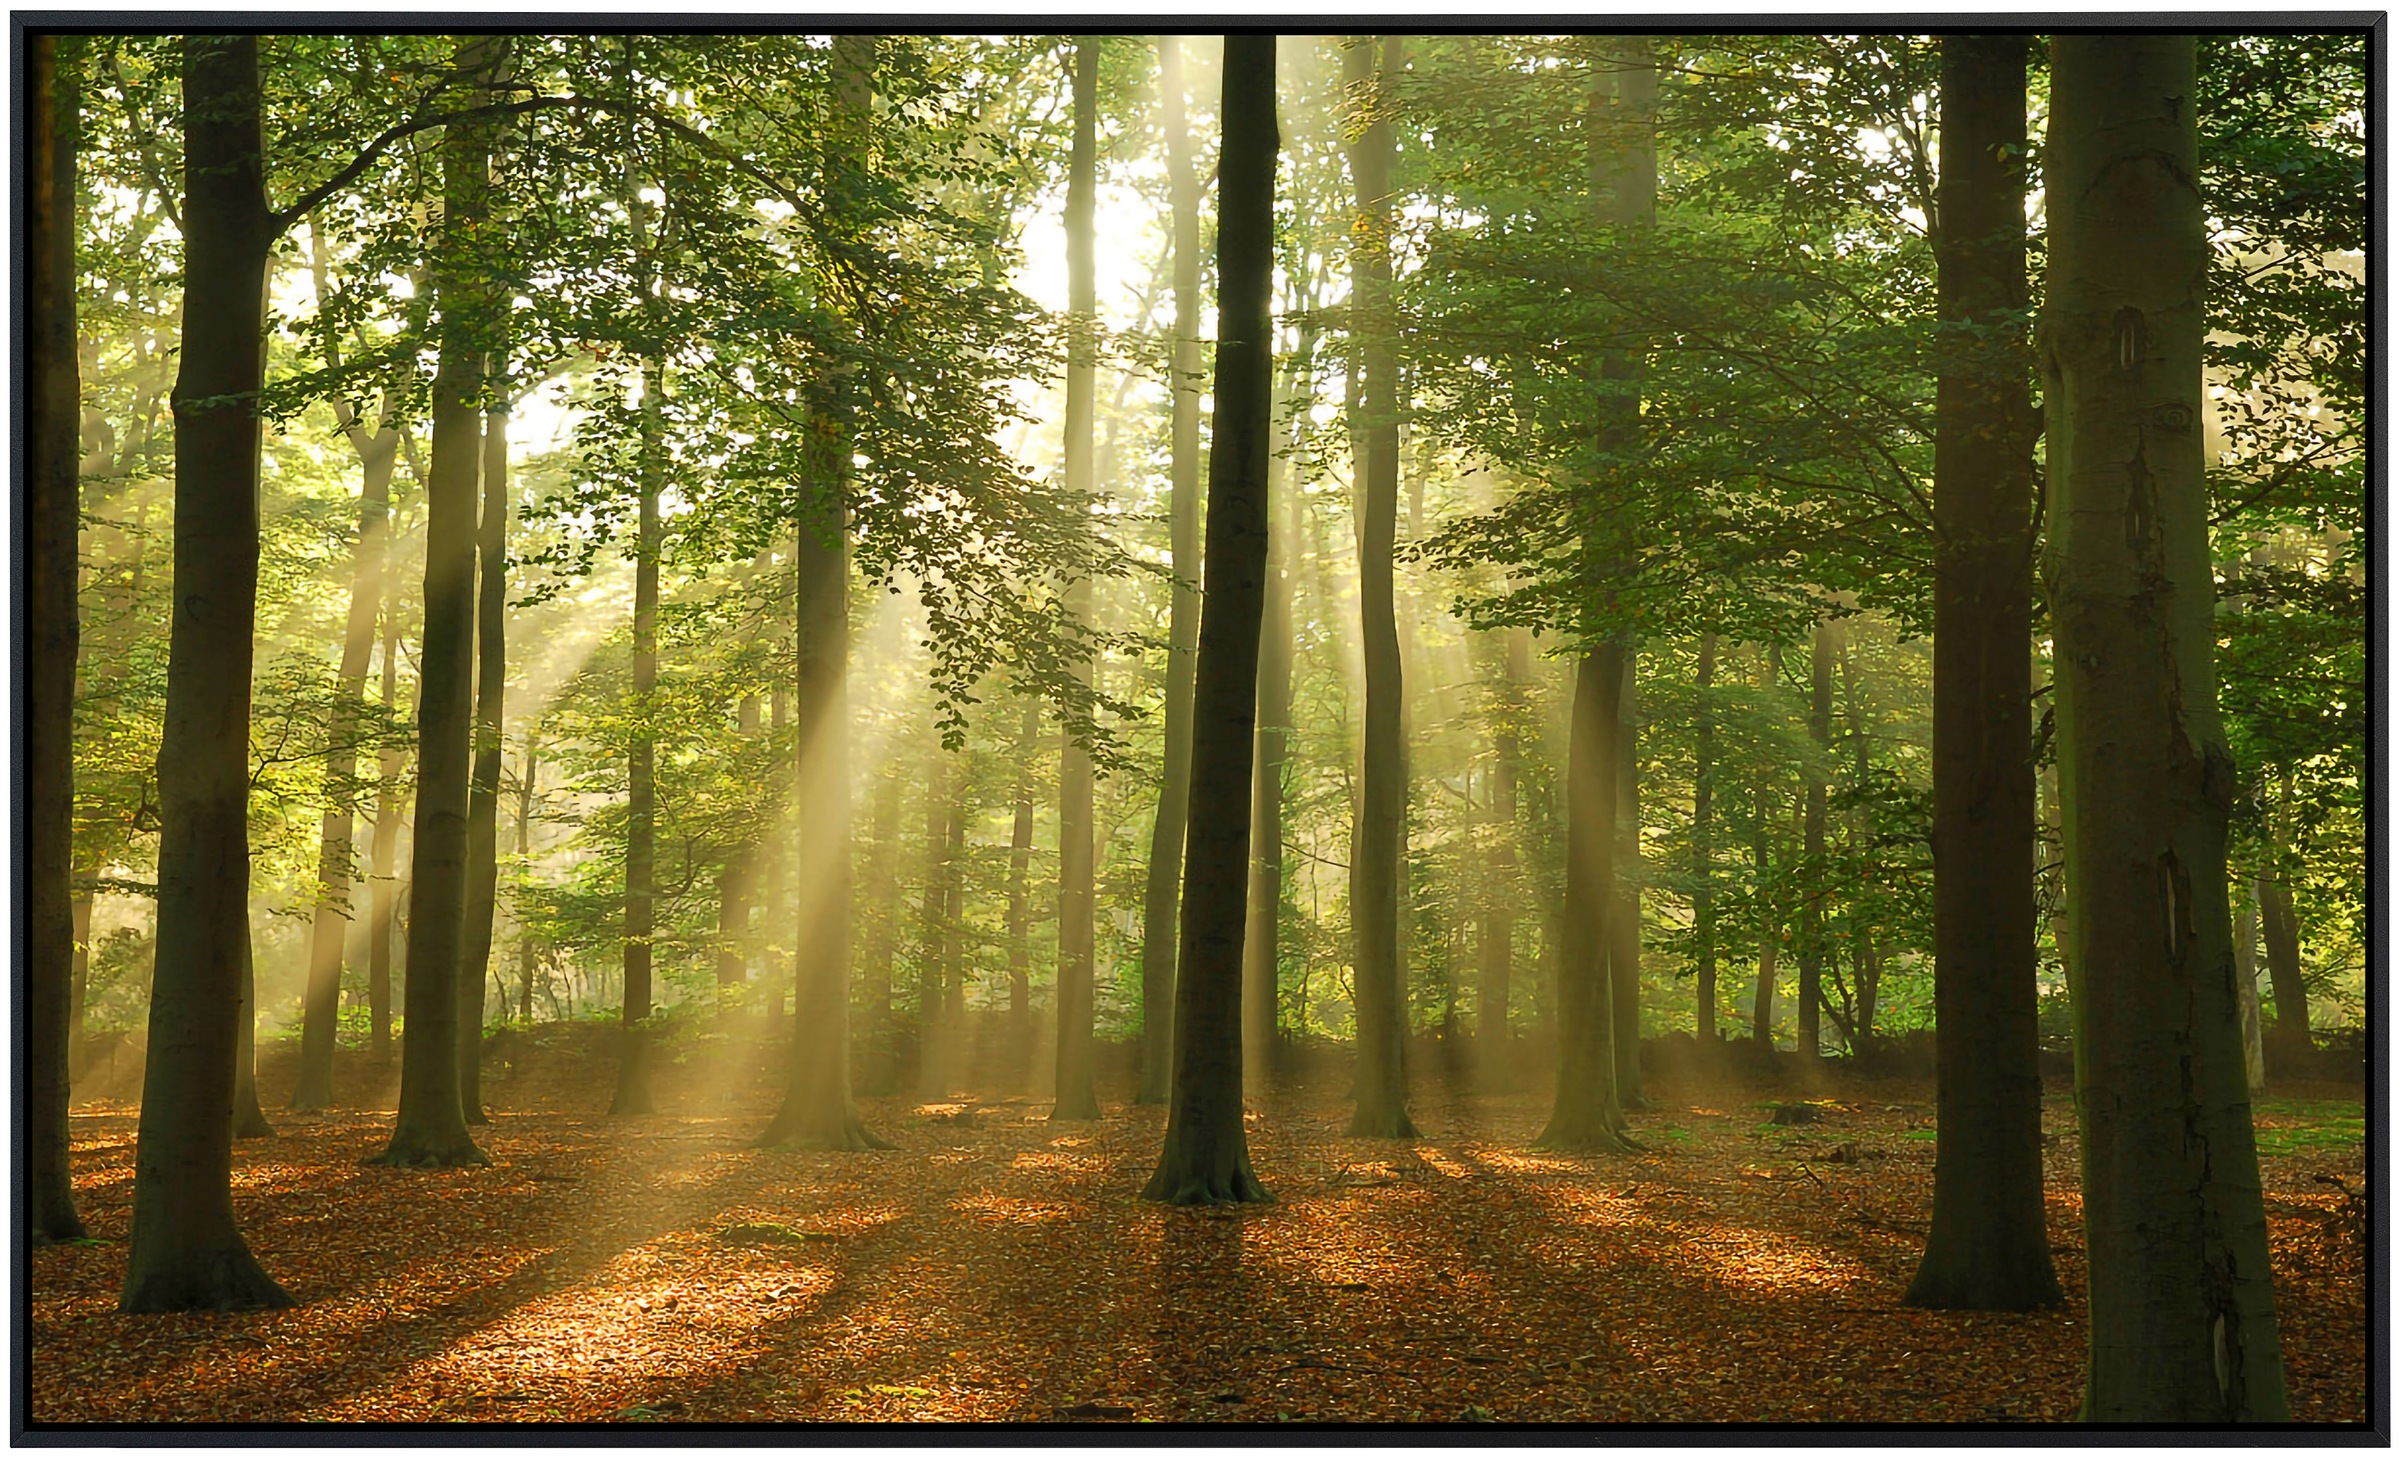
(999, 1267)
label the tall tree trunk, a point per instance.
(954, 921)
(1183, 627)
(933, 1036)
(1704, 851)
(1075, 1096)
(1020, 908)
(1625, 913)
(641, 783)
(1495, 1046)
(52, 523)
(2245, 979)
(2294, 1046)
(1762, 870)
(525, 952)
(1989, 1248)
(1585, 1114)
(185, 1252)
(819, 1111)
(249, 1120)
(883, 884)
(1822, 647)
(1262, 942)
(1206, 1155)
(385, 847)
(431, 1129)
(1382, 828)
(483, 790)
(378, 451)
(2182, 1325)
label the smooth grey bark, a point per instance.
(378, 450)
(1989, 1245)
(431, 1130)
(1206, 1153)
(819, 1110)
(1160, 899)
(2182, 1315)
(50, 527)
(185, 1253)
(1075, 1096)
(1381, 1081)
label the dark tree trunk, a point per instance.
(1989, 1248)
(1020, 907)
(1206, 1157)
(1625, 912)
(385, 847)
(49, 525)
(483, 791)
(525, 951)
(1183, 629)
(1704, 850)
(818, 1110)
(1762, 870)
(378, 451)
(1076, 1098)
(185, 1253)
(1586, 1114)
(1382, 827)
(2182, 1316)
(1262, 951)
(641, 778)
(1812, 848)
(249, 1120)
(2294, 1047)
(431, 1129)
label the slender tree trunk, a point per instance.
(431, 1129)
(1382, 828)
(954, 922)
(249, 1120)
(1586, 1114)
(1989, 1248)
(1020, 907)
(80, 917)
(1762, 870)
(883, 884)
(1494, 1043)
(1183, 630)
(1076, 1098)
(1625, 913)
(385, 848)
(2245, 979)
(525, 952)
(185, 1253)
(1206, 1156)
(1262, 948)
(641, 779)
(483, 791)
(1822, 647)
(1704, 851)
(933, 1075)
(52, 524)
(818, 1110)
(2182, 1323)
(2294, 1044)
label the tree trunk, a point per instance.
(1989, 1248)
(2294, 1044)
(385, 848)
(185, 1253)
(378, 451)
(1020, 907)
(641, 779)
(1822, 647)
(1262, 930)
(1625, 911)
(881, 1075)
(1183, 630)
(483, 791)
(249, 1120)
(1495, 1046)
(1075, 1096)
(2245, 980)
(1704, 851)
(431, 1129)
(1376, 847)
(933, 1076)
(818, 1110)
(525, 954)
(2182, 1323)
(53, 521)
(1206, 1155)
(1586, 1114)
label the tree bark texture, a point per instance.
(1206, 1158)
(431, 1129)
(1183, 625)
(1382, 827)
(483, 789)
(1076, 1098)
(2182, 1323)
(50, 527)
(185, 1253)
(1989, 1247)
(1585, 1115)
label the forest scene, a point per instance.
(1547, 729)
